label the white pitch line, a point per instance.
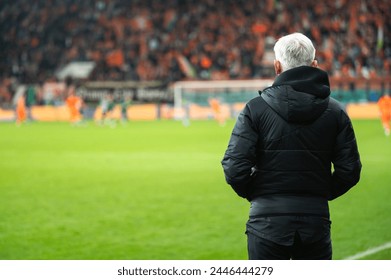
(370, 251)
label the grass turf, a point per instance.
(154, 190)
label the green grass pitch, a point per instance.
(155, 190)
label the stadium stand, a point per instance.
(154, 39)
(172, 40)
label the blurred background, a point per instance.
(143, 48)
(124, 108)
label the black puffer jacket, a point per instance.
(285, 142)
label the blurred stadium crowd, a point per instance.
(170, 40)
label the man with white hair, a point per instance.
(292, 150)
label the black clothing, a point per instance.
(263, 249)
(282, 149)
(291, 234)
(292, 133)
(277, 228)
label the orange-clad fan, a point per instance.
(385, 112)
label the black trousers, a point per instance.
(297, 237)
(263, 249)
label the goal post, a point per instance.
(192, 99)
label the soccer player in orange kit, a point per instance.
(385, 112)
(74, 104)
(21, 112)
(216, 108)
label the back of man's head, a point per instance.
(294, 50)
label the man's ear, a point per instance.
(314, 63)
(277, 67)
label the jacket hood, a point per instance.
(299, 95)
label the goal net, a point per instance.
(202, 99)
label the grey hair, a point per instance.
(294, 50)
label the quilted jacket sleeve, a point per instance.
(346, 160)
(240, 156)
